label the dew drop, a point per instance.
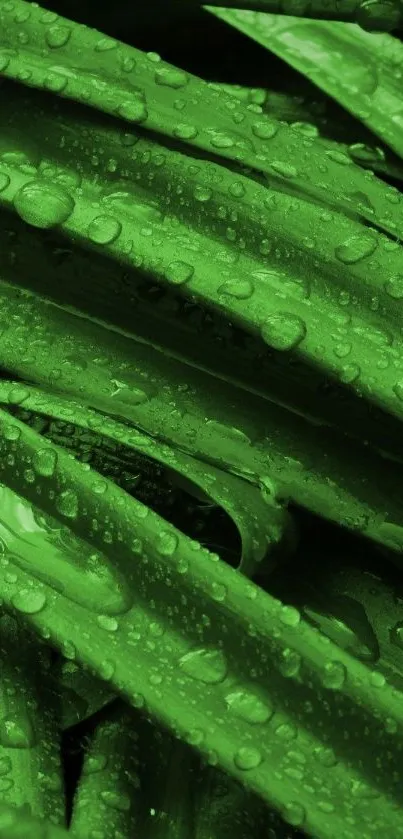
(184, 131)
(107, 622)
(290, 616)
(103, 230)
(283, 331)
(170, 77)
(67, 504)
(356, 248)
(57, 36)
(43, 204)
(166, 543)
(202, 193)
(287, 170)
(394, 286)
(294, 814)
(247, 706)
(264, 129)
(16, 735)
(44, 462)
(247, 758)
(28, 601)
(239, 289)
(116, 800)
(134, 110)
(334, 675)
(208, 666)
(179, 272)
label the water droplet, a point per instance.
(376, 679)
(16, 735)
(134, 110)
(94, 763)
(202, 193)
(44, 462)
(43, 204)
(208, 666)
(67, 504)
(290, 663)
(287, 170)
(167, 543)
(356, 248)
(239, 289)
(294, 814)
(57, 36)
(116, 800)
(104, 230)
(334, 675)
(325, 756)
(283, 331)
(394, 286)
(107, 669)
(185, 132)
(247, 758)
(290, 616)
(105, 44)
(179, 272)
(264, 129)
(171, 77)
(55, 81)
(107, 622)
(28, 601)
(248, 707)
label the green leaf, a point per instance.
(370, 86)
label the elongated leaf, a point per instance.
(30, 769)
(108, 798)
(370, 86)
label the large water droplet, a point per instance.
(208, 666)
(43, 204)
(67, 504)
(283, 331)
(16, 735)
(28, 601)
(248, 707)
(247, 757)
(356, 248)
(57, 36)
(104, 230)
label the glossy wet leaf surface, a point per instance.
(200, 423)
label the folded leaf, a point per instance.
(370, 87)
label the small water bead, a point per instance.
(67, 504)
(57, 36)
(394, 286)
(283, 331)
(238, 289)
(134, 110)
(16, 735)
(294, 814)
(44, 462)
(334, 675)
(106, 44)
(247, 757)
(94, 763)
(249, 707)
(107, 622)
(171, 77)
(264, 129)
(287, 170)
(103, 230)
(43, 204)
(29, 601)
(205, 665)
(202, 193)
(166, 543)
(290, 616)
(183, 131)
(116, 800)
(179, 272)
(356, 248)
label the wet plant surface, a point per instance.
(201, 391)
